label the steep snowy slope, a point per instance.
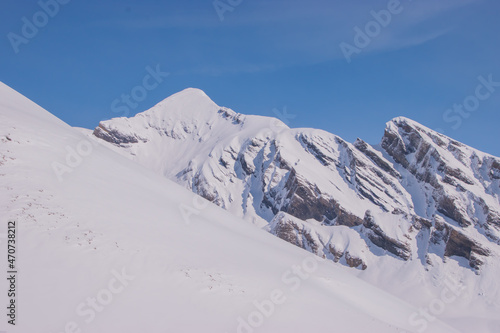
(418, 207)
(104, 245)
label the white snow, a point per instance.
(193, 266)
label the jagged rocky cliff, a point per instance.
(418, 195)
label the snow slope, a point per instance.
(415, 209)
(104, 245)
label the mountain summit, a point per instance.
(418, 196)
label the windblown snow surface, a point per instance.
(107, 245)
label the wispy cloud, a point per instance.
(418, 23)
(287, 32)
(396, 41)
(424, 10)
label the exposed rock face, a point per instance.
(460, 245)
(376, 157)
(381, 239)
(458, 181)
(112, 135)
(456, 243)
(313, 189)
(450, 207)
(354, 262)
(294, 232)
(307, 236)
(305, 200)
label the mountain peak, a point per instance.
(403, 121)
(405, 126)
(190, 103)
(191, 92)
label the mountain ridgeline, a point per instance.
(418, 195)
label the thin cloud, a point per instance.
(287, 33)
(401, 41)
(424, 10)
(415, 26)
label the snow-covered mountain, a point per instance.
(418, 204)
(419, 195)
(108, 245)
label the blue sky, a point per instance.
(266, 55)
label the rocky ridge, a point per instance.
(419, 195)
